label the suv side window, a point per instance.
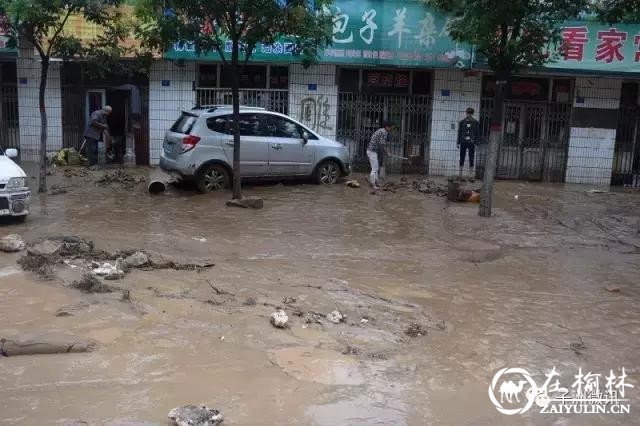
(218, 124)
(280, 127)
(250, 124)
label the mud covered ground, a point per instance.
(436, 300)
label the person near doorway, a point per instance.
(377, 144)
(94, 131)
(468, 137)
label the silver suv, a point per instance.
(199, 146)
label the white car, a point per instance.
(14, 193)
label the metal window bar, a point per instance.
(535, 140)
(271, 99)
(626, 157)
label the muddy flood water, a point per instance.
(437, 301)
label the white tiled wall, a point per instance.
(590, 156)
(28, 67)
(315, 108)
(464, 92)
(166, 102)
(597, 93)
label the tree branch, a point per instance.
(58, 31)
(503, 37)
(516, 29)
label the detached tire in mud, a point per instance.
(213, 177)
(328, 172)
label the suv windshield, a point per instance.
(184, 124)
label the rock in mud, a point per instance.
(279, 319)
(41, 265)
(288, 300)
(353, 184)
(12, 243)
(71, 310)
(50, 343)
(57, 190)
(351, 350)
(312, 318)
(416, 330)
(250, 301)
(45, 248)
(336, 317)
(90, 284)
(247, 203)
(136, 260)
(191, 415)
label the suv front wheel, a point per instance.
(328, 173)
(213, 177)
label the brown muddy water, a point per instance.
(515, 290)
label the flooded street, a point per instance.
(526, 288)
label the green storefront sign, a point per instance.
(370, 32)
(408, 34)
(592, 46)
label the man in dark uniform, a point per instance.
(468, 137)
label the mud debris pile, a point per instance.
(75, 172)
(427, 186)
(43, 255)
(120, 177)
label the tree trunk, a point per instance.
(235, 95)
(495, 138)
(44, 71)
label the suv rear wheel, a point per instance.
(328, 172)
(213, 177)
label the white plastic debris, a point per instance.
(201, 239)
(335, 317)
(69, 264)
(12, 243)
(279, 319)
(364, 321)
(191, 415)
(107, 270)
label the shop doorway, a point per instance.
(82, 95)
(535, 143)
(366, 98)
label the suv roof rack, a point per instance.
(212, 108)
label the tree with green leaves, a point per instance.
(614, 11)
(40, 24)
(212, 25)
(510, 35)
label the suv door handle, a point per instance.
(277, 146)
(230, 143)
